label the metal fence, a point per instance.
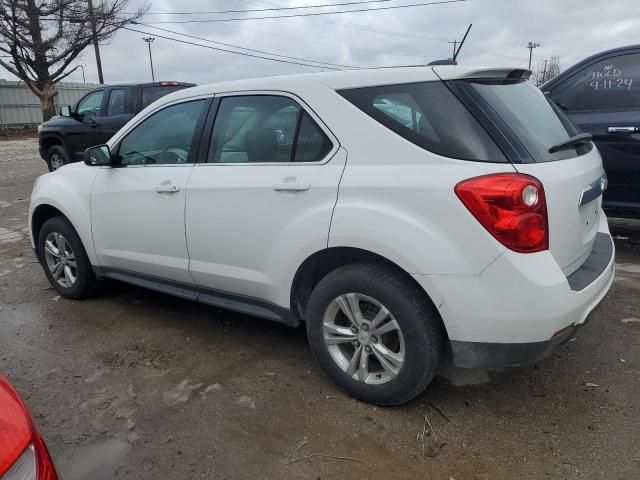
(19, 107)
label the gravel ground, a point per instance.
(134, 384)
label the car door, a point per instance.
(84, 131)
(137, 207)
(118, 112)
(262, 198)
(603, 99)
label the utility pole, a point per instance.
(84, 80)
(95, 42)
(531, 46)
(149, 41)
(455, 44)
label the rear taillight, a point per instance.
(23, 454)
(169, 84)
(511, 206)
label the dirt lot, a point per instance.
(135, 384)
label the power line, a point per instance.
(367, 28)
(324, 5)
(231, 51)
(311, 14)
(246, 48)
(316, 42)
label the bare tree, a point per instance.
(546, 69)
(39, 39)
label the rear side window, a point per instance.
(611, 84)
(151, 94)
(430, 116)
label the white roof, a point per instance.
(337, 80)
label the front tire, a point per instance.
(375, 333)
(56, 157)
(65, 260)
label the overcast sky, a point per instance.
(570, 29)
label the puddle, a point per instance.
(628, 267)
(96, 461)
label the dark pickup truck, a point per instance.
(602, 96)
(95, 118)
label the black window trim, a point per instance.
(582, 69)
(205, 140)
(195, 142)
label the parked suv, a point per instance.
(95, 118)
(602, 96)
(399, 213)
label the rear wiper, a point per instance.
(572, 142)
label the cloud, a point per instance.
(570, 29)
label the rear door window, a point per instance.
(118, 103)
(612, 84)
(265, 129)
(430, 116)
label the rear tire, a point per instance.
(401, 360)
(56, 157)
(65, 260)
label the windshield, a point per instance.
(537, 122)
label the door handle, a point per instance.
(167, 188)
(627, 130)
(292, 186)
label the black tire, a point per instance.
(54, 155)
(85, 280)
(418, 319)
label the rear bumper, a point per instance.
(520, 307)
(498, 355)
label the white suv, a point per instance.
(402, 214)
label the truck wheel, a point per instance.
(374, 333)
(56, 157)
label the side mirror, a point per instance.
(65, 111)
(97, 156)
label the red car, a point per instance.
(23, 454)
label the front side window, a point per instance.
(611, 84)
(91, 104)
(428, 115)
(163, 138)
(117, 104)
(265, 129)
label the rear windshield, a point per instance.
(534, 119)
(430, 116)
(151, 94)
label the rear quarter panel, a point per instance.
(397, 200)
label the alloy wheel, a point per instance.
(56, 161)
(363, 338)
(60, 259)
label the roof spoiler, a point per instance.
(484, 74)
